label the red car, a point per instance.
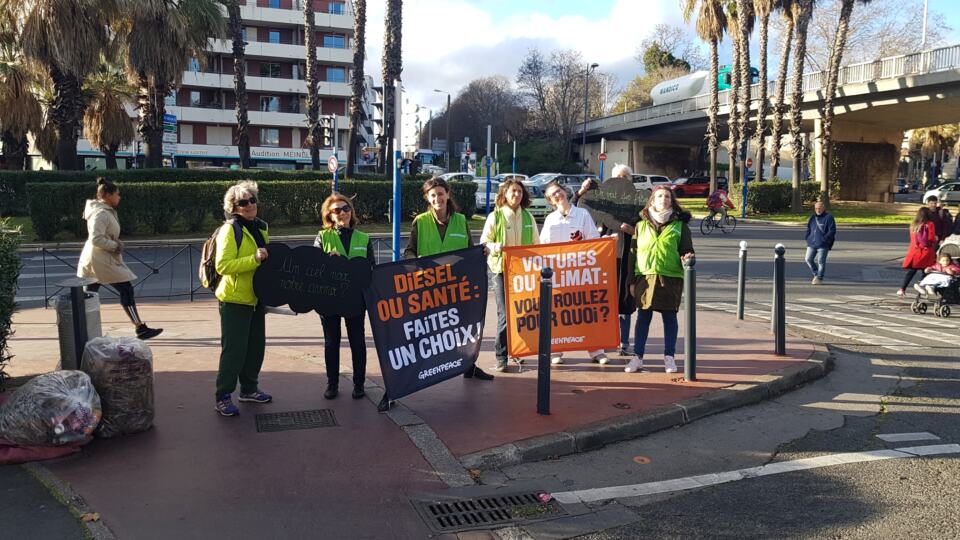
(693, 186)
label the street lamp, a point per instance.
(449, 146)
(586, 113)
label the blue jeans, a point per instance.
(500, 343)
(670, 330)
(625, 331)
(817, 260)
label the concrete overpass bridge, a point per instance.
(875, 103)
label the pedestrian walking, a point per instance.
(940, 217)
(663, 243)
(568, 223)
(242, 316)
(821, 233)
(102, 255)
(509, 225)
(922, 251)
(340, 238)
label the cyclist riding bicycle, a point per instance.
(719, 202)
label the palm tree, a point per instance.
(833, 76)
(66, 37)
(711, 20)
(733, 115)
(357, 81)
(776, 130)
(745, 21)
(106, 123)
(235, 33)
(801, 10)
(762, 8)
(314, 135)
(20, 112)
(162, 36)
(392, 66)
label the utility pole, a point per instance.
(586, 113)
(447, 135)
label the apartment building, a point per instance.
(204, 106)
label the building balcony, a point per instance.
(264, 84)
(294, 17)
(215, 114)
(261, 49)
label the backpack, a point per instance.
(207, 272)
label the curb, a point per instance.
(97, 530)
(599, 434)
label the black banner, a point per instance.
(307, 279)
(615, 201)
(427, 318)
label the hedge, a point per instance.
(9, 273)
(14, 193)
(773, 196)
(158, 207)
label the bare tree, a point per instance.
(677, 41)
(554, 91)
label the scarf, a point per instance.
(253, 228)
(660, 217)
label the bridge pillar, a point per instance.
(865, 160)
(670, 160)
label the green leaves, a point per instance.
(9, 272)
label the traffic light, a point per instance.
(326, 127)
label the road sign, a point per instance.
(749, 162)
(602, 156)
(333, 164)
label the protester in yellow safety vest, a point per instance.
(663, 243)
(509, 225)
(339, 237)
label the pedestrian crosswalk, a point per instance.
(857, 319)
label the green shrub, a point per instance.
(773, 196)
(9, 273)
(158, 207)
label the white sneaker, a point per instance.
(918, 288)
(815, 281)
(556, 359)
(635, 365)
(601, 359)
(669, 364)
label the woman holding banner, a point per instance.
(440, 229)
(663, 242)
(242, 329)
(509, 225)
(340, 238)
(568, 223)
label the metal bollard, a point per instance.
(546, 318)
(742, 279)
(780, 300)
(690, 320)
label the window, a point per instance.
(336, 74)
(274, 36)
(243, 33)
(335, 8)
(269, 137)
(334, 41)
(171, 99)
(194, 98)
(274, 4)
(296, 72)
(270, 70)
(194, 65)
(270, 104)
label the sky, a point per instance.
(448, 43)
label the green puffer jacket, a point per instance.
(663, 292)
(237, 265)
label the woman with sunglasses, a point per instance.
(340, 238)
(242, 329)
(509, 225)
(568, 223)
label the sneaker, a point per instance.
(556, 359)
(256, 397)
(815, 281)
(144, 332)
(669, 364)
(501, 364)
(516, 360)
(634, 365)
(623, 350)
(901, 292)
(226, 407)
(918, 288)
(601, 359)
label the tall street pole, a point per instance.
(586, 114)
(923, 37)
(449, 146)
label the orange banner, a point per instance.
(584, 313)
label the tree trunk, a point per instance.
(313, 77)
(14, 150)
(66, 112)
(714, 111)
(743, 12)
(357, 82)
(779, 108)
(392, 67)
(761, 133)
(235, 29)
(733, 117)
(833, 75)
(803, 8)
(110, 153)
(151, 105)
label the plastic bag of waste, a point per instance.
(51, 409)
(122, 372)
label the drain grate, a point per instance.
(284, 421)
(455, 515)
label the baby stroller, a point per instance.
(947, 296)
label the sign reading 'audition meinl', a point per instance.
(427, 318)
(584, 315)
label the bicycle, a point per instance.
(718, 220)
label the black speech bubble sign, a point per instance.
(307, 279)
(615, 201)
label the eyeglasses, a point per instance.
(244, 202)
(341, 209)
(556, 193)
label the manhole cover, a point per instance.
(454, 515)
(283, 421)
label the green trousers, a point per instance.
(242, 343)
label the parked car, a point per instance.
(902, 186)
(649, 181)
(458, 177)
(538, 202)
(948, 193)
(691, 186)
(495, 181)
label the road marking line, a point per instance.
(902, 437)
(49, 275)
(28, 298)
(861, 298)
(704, 480)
